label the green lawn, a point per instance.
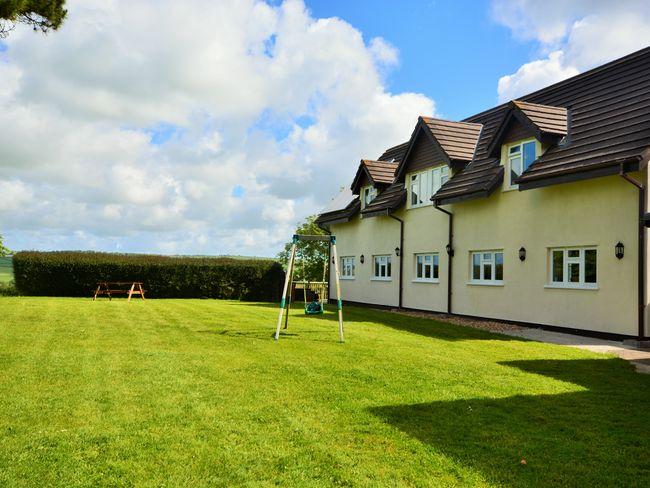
(193, 392)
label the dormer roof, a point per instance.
(457, 139)
(379, 174)
(548, 124)
(548, 119)
(455, 142)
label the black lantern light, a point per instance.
(397, 251)
(522, 253)
(362, 258)
(619, 250)
(450, 251)
(333, 262)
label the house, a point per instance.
(531, 212)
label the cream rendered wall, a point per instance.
(369, 236)
(425, 231)
(597, 212)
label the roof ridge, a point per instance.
(518, 102)
(461, 122)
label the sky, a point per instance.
(141, 126)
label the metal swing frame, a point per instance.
(286, 291)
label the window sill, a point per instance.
(485, 283)
(425, 281)
(375, 278)
(349, 278)
(511, 188)
(412, 207)
(572, 287)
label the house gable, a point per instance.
(423, 154)
(517, 132)
(435, 142)
(378, 174)
(523, 120)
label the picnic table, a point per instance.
(119, 287)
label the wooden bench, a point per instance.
(111, 288)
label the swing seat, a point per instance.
(314, 308)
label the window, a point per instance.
(573, 267)
(347, 267)
(487, 267)
(368, 194)
(426, 267)
(425, 184)
(520, 157)
(381, 269)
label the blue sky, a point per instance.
(451, 51)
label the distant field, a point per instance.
(6, 270)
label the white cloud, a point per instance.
(383, 51)
(535, 74)
(572, 37)
(14, 195)
(131, 131)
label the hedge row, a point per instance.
(76, 274)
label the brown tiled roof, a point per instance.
(395, 153)
(608, 125)
(457, 139)
(481, 176)
(340, 216)
(551, 120)
(387, 201)
(392, 197)
(380, 173)
(548, 124)
(390, 158)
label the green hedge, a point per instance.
(76, 274)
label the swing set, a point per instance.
(317, 306)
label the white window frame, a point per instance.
(434, 261)
(509, 157)
(372, 192)
(385, 267)
(483, 260)
(566, 262)
(427, 182)
(347, 268)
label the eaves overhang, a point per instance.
(569, 176)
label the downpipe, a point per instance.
(401, 258)
(640, 252)
(450, 253)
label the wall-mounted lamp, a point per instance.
(397, 251)
(333, 262)
(619, 250)
(362, 258)
(522, 253)
(450, 251)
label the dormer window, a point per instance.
(424, 184)
(368, 194)
(520, 156)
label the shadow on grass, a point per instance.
(592, 437)
(414, 325)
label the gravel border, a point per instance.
(489, 325)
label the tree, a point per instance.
(312, 253)
(42, 15)
(4, 251)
